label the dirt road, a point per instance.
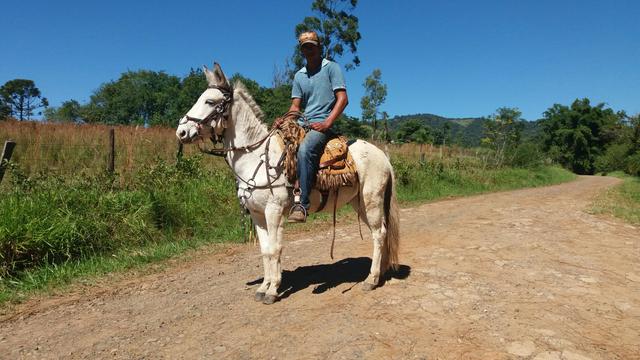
(520, 274)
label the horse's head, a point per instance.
(209, 115)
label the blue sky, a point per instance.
(451, 58)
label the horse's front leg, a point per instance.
(271, 251)
(263, 238)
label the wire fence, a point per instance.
(67, 149)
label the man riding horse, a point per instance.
(228, 115)
(319, 88)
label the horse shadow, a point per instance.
(327, 276)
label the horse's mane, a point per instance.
(254, 124)
(256, 127)
(242, 91)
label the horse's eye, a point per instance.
(210, 102)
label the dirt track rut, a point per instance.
(519, 274)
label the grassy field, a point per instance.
(68, 149)
(63, 218)
(622, 201)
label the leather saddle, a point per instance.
(336, 167)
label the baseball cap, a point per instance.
(308, 37)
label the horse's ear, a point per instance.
(208, 75)
(218, 75)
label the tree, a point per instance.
(274, 101)
(634, 122)
(138, 97)
(350, 127)
(632, 161)
(414, 130)
(5, 110)
(375, 95)
(385, 119)
(502, 133)
(191, 87)
(336, 27)
(282, 76)
(69, 111)
(575, 136)
(422, 136)
(442, 135)
(21, 97)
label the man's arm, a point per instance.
(341, 102)
(295, 106)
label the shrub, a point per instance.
(403, 170)
(632, 164)
(613, 158)
(48, 219)
(526, 155)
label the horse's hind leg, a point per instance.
(371, 210)
(378, 233)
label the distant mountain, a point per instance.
(463, 131)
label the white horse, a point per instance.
(232, 117)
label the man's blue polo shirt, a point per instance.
(317, 89)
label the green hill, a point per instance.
(463, 131)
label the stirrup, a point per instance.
(300, 208)
(297, 206)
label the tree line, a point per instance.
(583, 137)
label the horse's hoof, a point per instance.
(368, 287)
(269, 299)
(259, 296)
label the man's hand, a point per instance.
(320, 126)
(277, 122)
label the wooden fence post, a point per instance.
(112, 151)
(7, 151)
(179, 154)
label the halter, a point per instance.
(219, 113)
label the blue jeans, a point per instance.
(309, 154)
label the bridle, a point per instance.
(220, 115)
(220, 112)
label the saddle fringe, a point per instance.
(326, 181)
(292, 135)
(337, 174)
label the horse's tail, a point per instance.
(392, 224)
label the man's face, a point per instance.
(310, 51)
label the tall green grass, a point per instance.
(53, 224)
(434, 179)
(56, 229)
(62, 217)
(622, 201)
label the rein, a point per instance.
(218, 113)
(223, 151)
(264, 158)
